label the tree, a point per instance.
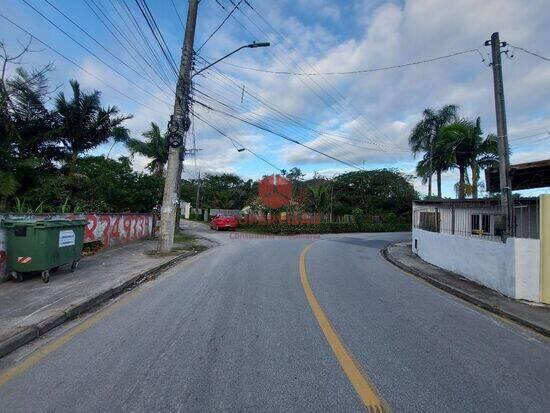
(319, 196)
(464, 146)
(26, 147)
(82, 124)
(424, 136)
(155, 147)
(375, 192)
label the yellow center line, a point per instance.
(360, 381)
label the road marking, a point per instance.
(38, 355)
(360, 381)
(54, 345)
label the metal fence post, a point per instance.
(452, 219)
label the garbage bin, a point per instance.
(42, 245)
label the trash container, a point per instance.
(42, 245)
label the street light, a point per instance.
(252, 45)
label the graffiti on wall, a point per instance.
(110, 229)
(115, 229)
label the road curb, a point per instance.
(464, 296)
(31, 333)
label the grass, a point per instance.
(182, 242)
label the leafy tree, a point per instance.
(98, 184)
(155, 147)
(82, 124)
(464, 146)
(225, 191)
(320, 198)
(424, 137)
(375, 192)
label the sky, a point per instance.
(363, 119)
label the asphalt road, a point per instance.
(234, 330)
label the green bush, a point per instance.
(325, 228)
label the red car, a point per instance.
(224, 222)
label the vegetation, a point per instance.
(448, 142)
(155, 147)
(44, 165)
(363, 194)
(424, 137)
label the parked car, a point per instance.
(224, 222)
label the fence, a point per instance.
(296, 218)
(477, 218)
(109, 229)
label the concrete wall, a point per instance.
(110, 229)
(545, 248)
(511, 268)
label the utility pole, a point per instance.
(502, 132)
(331, 196)
(198, 192)
(430, 174)
(179, 124)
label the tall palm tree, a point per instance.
(82, 124)
(464, 146)
(439, 162)
(424, 136)
(155, 147)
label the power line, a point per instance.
(352, 72)
(160, 72)
(177, 13)
(529, 52)
(219, 26)
(280, 135)
(92, 53)
(150, 20)
(234, 141)
(293, 123)
(299, 122)
(339, 107)
(77, 65)
(148, 78)
(105, 19)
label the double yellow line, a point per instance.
(359, 380)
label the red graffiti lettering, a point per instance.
(141, 220)
(127, 227)
(90, 228)
(106, 237)
(2, 256)
(114, 230)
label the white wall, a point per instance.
(527, 268)
(511, 268)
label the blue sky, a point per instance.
(365, 119)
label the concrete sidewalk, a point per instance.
(534, 316)
(31, 308)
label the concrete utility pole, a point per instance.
(198, 192)
(502, 132)
(179, 125)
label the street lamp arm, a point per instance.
(251, 45)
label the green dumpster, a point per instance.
(42, 245)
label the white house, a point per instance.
(465, 236)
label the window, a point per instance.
(481, 224)
(429, 221)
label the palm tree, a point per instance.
(155, 147)
(464, 146)
(424, 136)
(82, 124)
(439, 163)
